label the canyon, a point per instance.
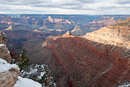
(97, 59)
(84, 56)
(25, 28)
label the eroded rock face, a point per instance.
(117, 34)
(4, 53)
(118, 37)
(8, 79)
(119, 71)
(86, 62)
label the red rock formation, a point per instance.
(100, 61)
(87, 62)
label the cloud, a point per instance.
(121, 1)
(65, 6)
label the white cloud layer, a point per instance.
(65, 7)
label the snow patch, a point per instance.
(7, 50)
(127, 84)
(37, 70)
(1, 45)
(4, 66)
(24, 82)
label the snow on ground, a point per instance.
(24, 82)
(34, 70)
(4, 66)
(125, 85)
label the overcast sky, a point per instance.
(65, 7)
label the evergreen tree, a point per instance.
(37, 72)
(23, 61)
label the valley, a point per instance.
(81, 51)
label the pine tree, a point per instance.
(23, 61)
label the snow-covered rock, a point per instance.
(2, 45)
(4, 66)
(34, 71)
(9, 78)
(39, 73)
(8, 74)
(24, 82)
(127, 84)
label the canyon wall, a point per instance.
(97, 59)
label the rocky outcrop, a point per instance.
(2, 38)
(4, 52)
(77, 31)
(9, 78)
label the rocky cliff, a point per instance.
(97, 59)
(4, 53)
(7, 78)
(2, 38)
(10, 75)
